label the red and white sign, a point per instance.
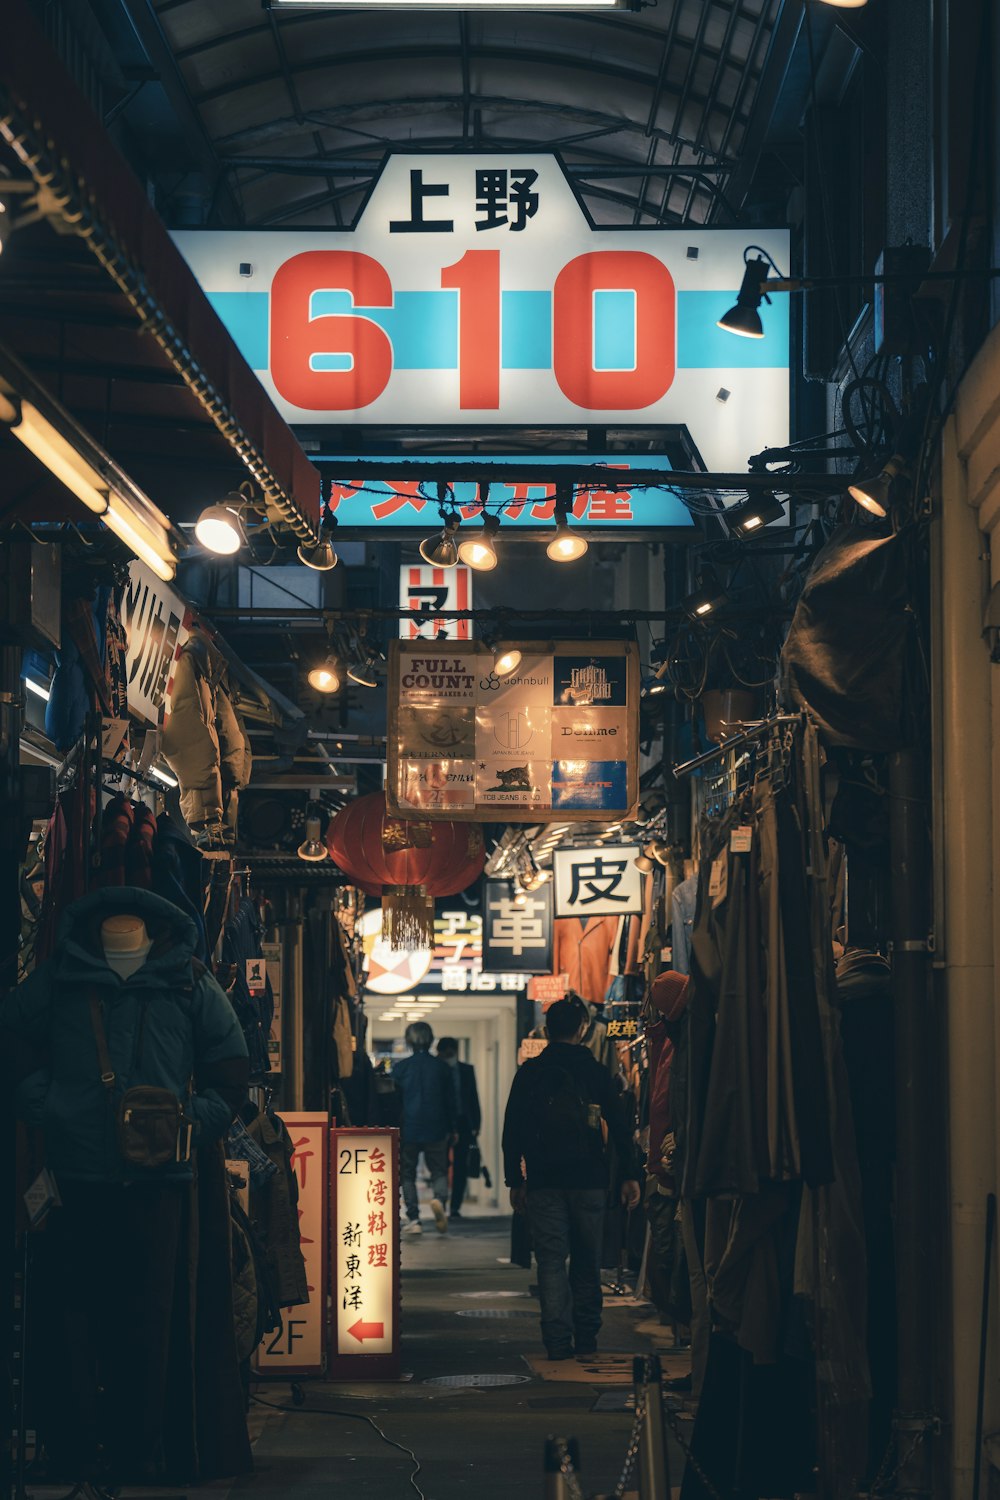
(364, 1250)
(424, 589)
(297, 1347)
(548, 987)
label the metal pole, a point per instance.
(915, 1208)
(292, 1005)
(654, 1475)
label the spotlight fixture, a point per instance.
(753, 515)
(874, 494)
(441, 551)
(566, 544)
(520, 897)
(323, 556)
(479, 551)
(744, 318)
(644, 861)
(326, 676)
(220, 530)
(313, 850)
(363, 672)
(506, 661)
(707, 597)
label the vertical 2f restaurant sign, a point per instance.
(475, 288)
(558, 734)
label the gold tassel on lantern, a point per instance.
(407, 917)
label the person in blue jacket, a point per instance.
(430, 1118)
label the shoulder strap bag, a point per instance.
(150, 1125)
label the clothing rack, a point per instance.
(749, 732)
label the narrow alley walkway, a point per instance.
(468, 1317)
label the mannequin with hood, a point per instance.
(119, 1275)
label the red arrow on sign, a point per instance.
(363, 1330)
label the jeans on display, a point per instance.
(567, 1224)
(435, 1154)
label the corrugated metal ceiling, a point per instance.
(292, 103)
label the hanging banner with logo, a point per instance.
(476, 289)
(424, 590)
(364, 1243)
(516, 939)
(598, 881)
(559, 734)
(157, 622)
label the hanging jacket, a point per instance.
(236, 758)
(242, 941)
(190, 742)
(189, 1033)
(274, 1211)
(668, 996)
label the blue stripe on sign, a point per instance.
(702, 346)
(614, 330)
(526, 330)
(245, 317)
(422, 326)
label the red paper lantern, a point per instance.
(408, 862)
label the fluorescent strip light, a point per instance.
(162, 776)
(57, 454)
(37, 689)
(150, 543)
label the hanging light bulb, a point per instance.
(506, 661)
(874, 494)
(313, 850)
(744, 318)
(323, 556)
(327, 675)
(220, 530)
(565, 545)
(479, 550)
(364, 672)
(441, 550)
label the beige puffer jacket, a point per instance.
(205, 742)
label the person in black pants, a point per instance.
(469, 1118)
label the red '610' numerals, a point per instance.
(296, 338)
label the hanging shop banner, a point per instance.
(424, 590)
(298, 1346)
(364, 1247)
(516, 938)
(366, 503)
(476, 289)
(556, 735)
(389, 971)
(598, 881)
(157, 623)
(272, 958)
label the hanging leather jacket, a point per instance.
(190, 743)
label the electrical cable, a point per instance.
(353, 1416)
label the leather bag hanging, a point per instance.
(149, 1122)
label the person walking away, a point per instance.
(428, 1124)
(469, 1119)
(556, 1167)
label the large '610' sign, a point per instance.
(475, 288)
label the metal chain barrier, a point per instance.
(632, 1451)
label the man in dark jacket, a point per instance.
(429, 1120)
(470, 1117)
(557, 1171)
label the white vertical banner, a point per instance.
(424, 589)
